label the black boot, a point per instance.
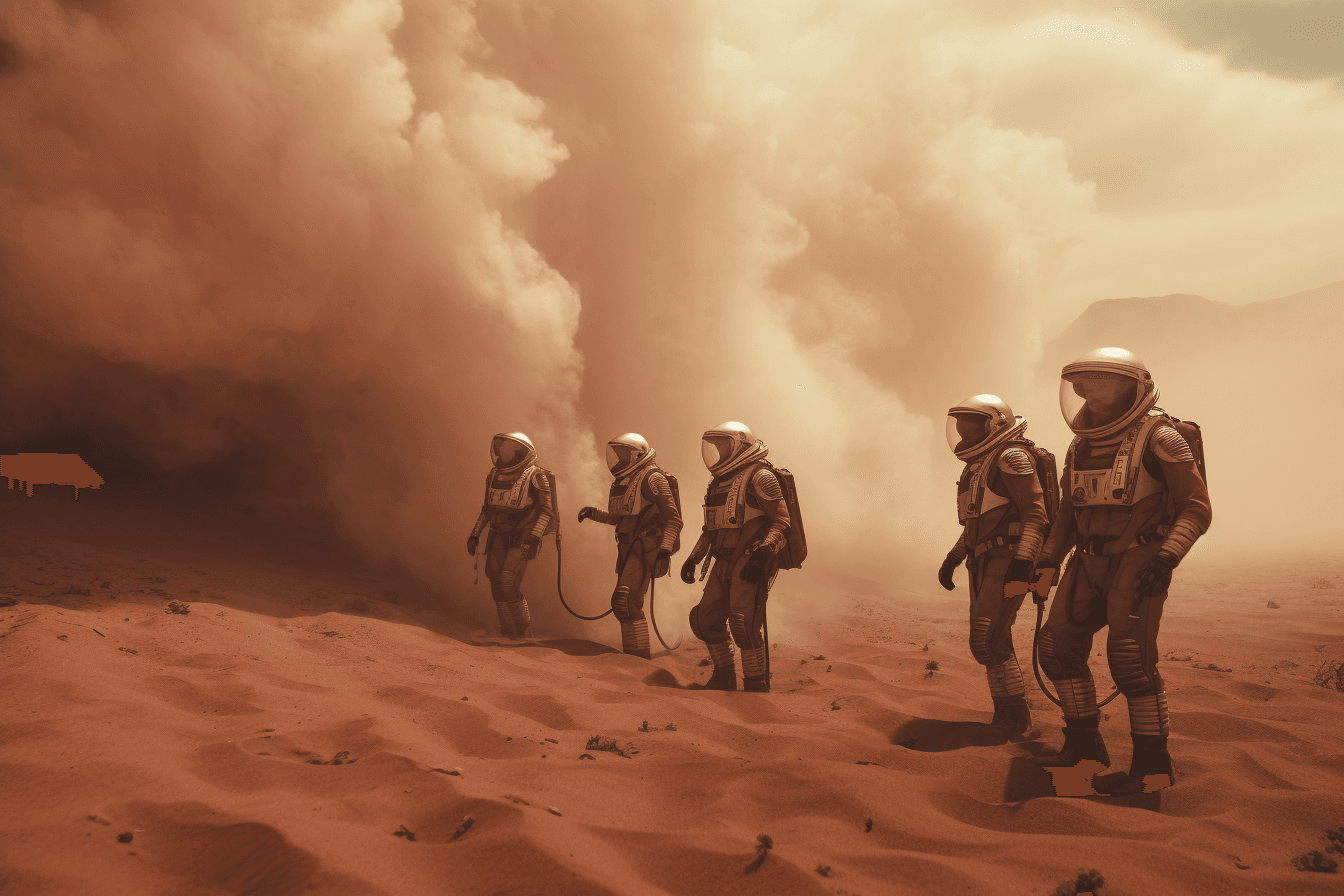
(1082, 741)
(1149, 771)
(758, 684)
(1011, 715)
(723, 679)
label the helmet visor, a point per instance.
(1092, 400)
(966, 430)
(506, 452)
(715, 450)
(619, 457)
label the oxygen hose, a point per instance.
(653, 617)
(1035, 658)
(559, 555)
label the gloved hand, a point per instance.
(1017, 581)
(472, 541)
(945, 571)
(1156, 576)
(533, 545)
(754, 571)
(688, 571)
(662, 564)
(1041, 582)
(586, 513)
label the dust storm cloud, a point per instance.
(354, 239)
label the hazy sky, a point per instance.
(426, 222)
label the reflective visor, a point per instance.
(1090, 401)
(618, 456)
(506, 452)
(965, 430)
(716, 449)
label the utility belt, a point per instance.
(1096, 545)
(998, 541)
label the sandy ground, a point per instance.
(292, 731)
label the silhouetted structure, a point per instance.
(24, 471)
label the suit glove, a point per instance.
(1156, 576)
(945, 571)
(754, 571)
(688, 570)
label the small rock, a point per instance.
(404, 832)
(125, 838)
(552, 810)
(868, 826)
(464, 827)
(587, 756)
(1272, 606)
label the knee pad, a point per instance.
(1049, 662)
(1126, 661)
(620, 603)
(743, 631)
(980, 641)
(695, 623)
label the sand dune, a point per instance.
(290, 732)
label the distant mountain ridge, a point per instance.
(1190, 324)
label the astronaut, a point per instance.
(1001, 506)
(746, 525)
(519, 510)
(648, 528)
(1134, 503)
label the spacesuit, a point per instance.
(746, 525)
(1000, 504)
(648, 527)
(519, 510)
(1134, 504)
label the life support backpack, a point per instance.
(1047, 473)
(676, 499)
(1190, 431)
(794, 552)
(553, 527)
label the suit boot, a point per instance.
(1011, 715)
(1149, 771)
(505, 620)
(635, 638)
(522, 619)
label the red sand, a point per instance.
(198, 735)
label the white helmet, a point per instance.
(1104, 392)
(729, 446)
(980, 423)
(511, 451)
(627, 453)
